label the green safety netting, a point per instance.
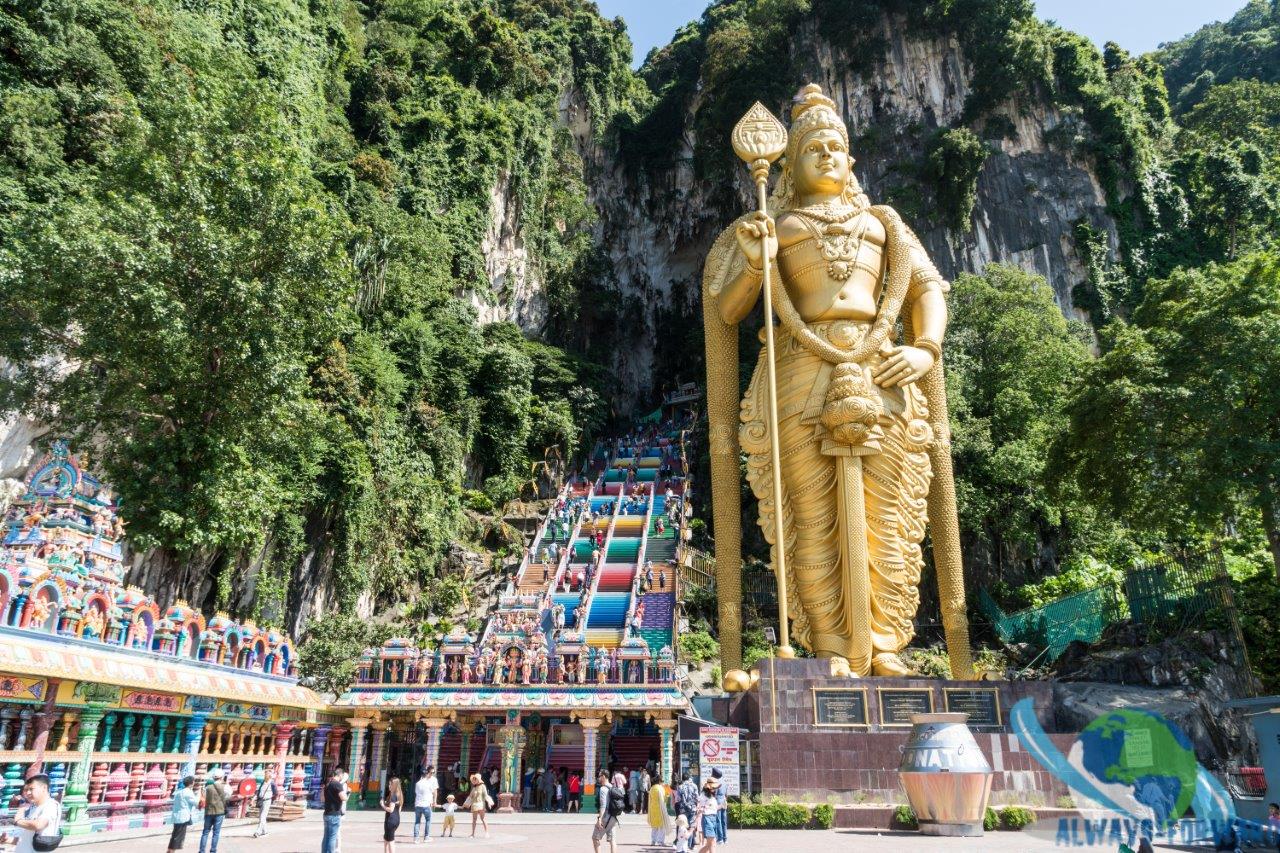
(1054, 626)
(1165, 594)
(653, 417)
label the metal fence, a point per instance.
(1178, 590)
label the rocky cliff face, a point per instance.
(657, 225)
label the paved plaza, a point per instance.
(362, 833)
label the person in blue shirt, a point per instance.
(185, 805)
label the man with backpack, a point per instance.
(611, 803)
(214, 802)
(687, 797)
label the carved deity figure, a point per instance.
(856, 433)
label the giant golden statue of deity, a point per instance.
(855, 421)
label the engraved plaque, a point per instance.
(840, 706)
(982, 704)
(898, 704)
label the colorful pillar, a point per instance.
(590, 746)
(467, 728)
(318, 742)
(355, 758)
(44, 724)
(667, 733)
(377, 751)
(282, 733)
(511, 739)
(192, 738)
(431, 754)
(76, 800)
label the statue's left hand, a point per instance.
(903, 366)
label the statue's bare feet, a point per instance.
(887, 663)
(840, 667)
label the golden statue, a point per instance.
(856, 423)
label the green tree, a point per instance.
(1011, 357)
(954, 161)
(1179, 421)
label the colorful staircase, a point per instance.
(635, 750)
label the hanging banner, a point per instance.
(718, 750)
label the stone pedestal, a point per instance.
(822, 737)
(508, 802)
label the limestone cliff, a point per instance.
(656, 225)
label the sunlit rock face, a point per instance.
(657, 225)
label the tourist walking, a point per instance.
(214, 803)
(185, 803)
(610, 801)
(391, 803)
(575, 792)
(709, 815)
(620, 785)
(266, 794)
(547, 791)
(659, 820)
(687, 799)
(40, 816)
(425, 792)
(722, 825)
(682, 834)
(633, 790)
(479, 802)
(335, 803)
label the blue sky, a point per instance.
(1138, 25)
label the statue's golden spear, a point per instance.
(759, 139)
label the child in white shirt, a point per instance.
(449, 808)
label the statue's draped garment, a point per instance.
(895, 463)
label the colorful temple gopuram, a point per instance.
(576, 667)
(117, 698)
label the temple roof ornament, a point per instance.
(62, 574)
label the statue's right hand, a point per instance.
(754, 235)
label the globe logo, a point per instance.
(1137, 765)
(1140, 762)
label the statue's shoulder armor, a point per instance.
(724, 261)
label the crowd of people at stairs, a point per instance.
(685, 816)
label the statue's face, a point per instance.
(823, 163)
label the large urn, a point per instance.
(945, 775)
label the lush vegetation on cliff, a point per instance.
(241, 244)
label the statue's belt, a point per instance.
(845, 334)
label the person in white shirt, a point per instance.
(40, 815)
(266, 795)
(425, 793)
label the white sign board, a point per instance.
(718, 749)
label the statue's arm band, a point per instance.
(929, 345)
(924, 280)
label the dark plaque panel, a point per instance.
(982, 704)
(840, 707)
(898, 704)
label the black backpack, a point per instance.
(614, 805)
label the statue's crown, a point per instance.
(811, 110)
(807, 98)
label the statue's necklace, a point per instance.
(840, 247)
